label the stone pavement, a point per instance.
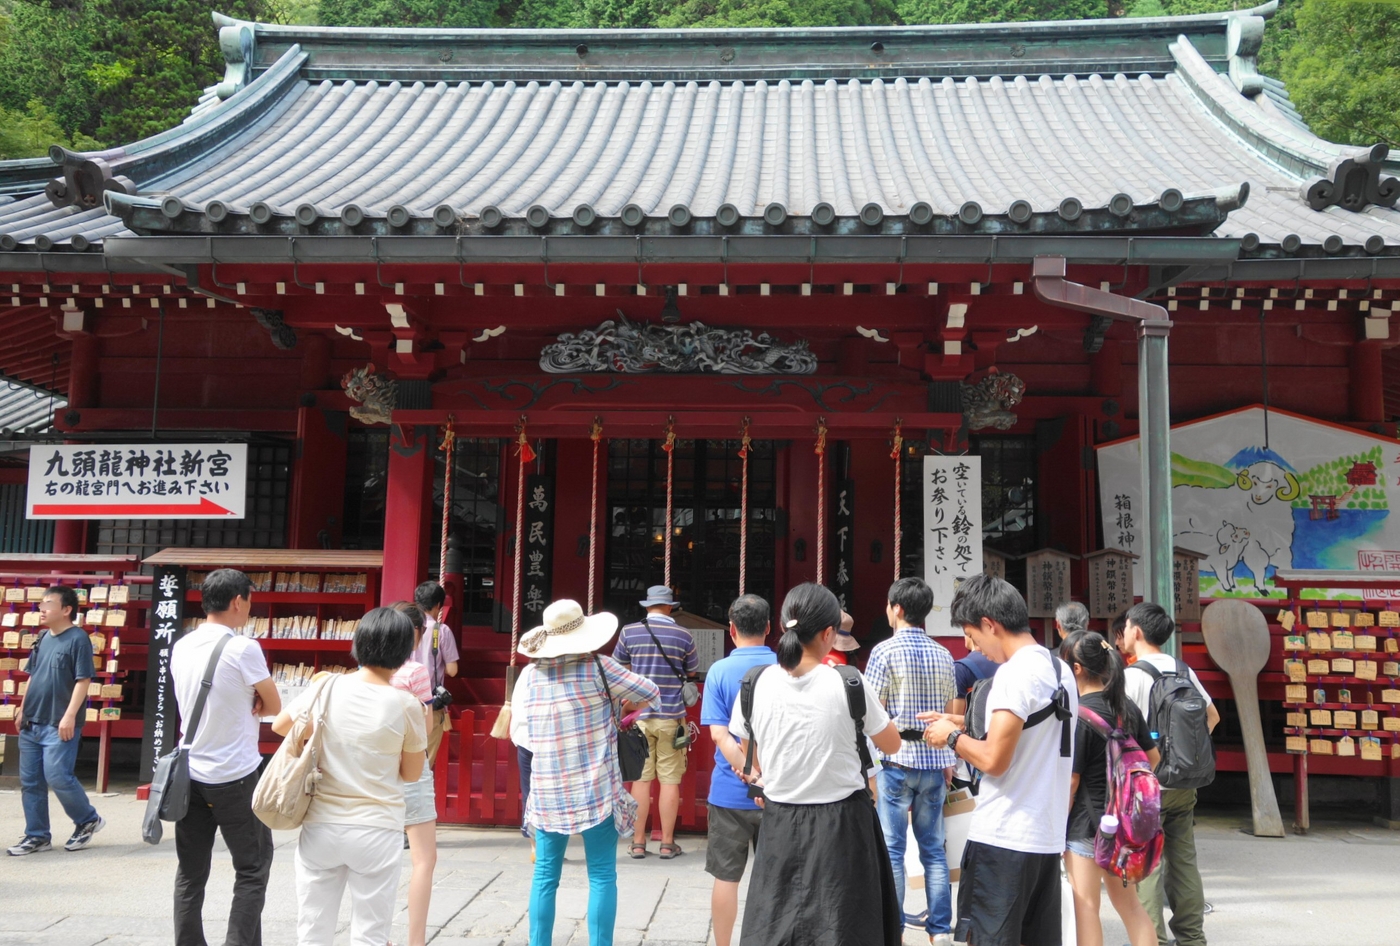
(1335, 886)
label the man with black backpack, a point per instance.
(1181, 717)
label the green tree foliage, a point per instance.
(999, 11)
(27, 133)
(427, 13)
(46, 55)
(765, 13)
(1343, 70)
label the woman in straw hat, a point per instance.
(576, 786)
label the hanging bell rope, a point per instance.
(897, 455)
(522, 446)
(821, 500)
(596, 435)
(744, 444)
(449, 440)
(669, 445)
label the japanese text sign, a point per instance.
(161, 732)
(537, 560)
(1047, 581)
(952, 531)
(1110, 583)
(138, 481)
(843, 517)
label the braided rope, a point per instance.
(523, 449)
(821, 501)
(670, 447)
(744, 443)
(449, 440)
(597, 435)
(897, 456)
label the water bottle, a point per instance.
(1103, 841)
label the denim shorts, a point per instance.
(420, 800)
(1084, 847)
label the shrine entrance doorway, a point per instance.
(705, 524)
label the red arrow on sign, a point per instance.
(205, 507)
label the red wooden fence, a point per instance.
(478, 777)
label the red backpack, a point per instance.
(1135, 799)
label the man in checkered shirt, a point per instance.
(911, 674)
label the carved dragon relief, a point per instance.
(628, 347)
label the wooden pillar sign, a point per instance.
(1110, 582)
(952, 531)
(1047, 581)
(994, 563)
(537, 588)
(162, 716)
(843, 522)
(1186, 580)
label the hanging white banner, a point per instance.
(138, 481)
(952, 532)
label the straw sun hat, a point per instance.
(567, 630)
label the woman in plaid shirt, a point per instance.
(575, 784)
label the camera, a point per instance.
(441, 698)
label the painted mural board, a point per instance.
(1315, 495)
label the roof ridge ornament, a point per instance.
(86, 178)
(1353, 183)
(1244, 36)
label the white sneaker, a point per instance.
(941, 939)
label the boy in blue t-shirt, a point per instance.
(733, 816)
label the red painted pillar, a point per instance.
(572, 508)
(1367, 392)
(873, 472)
(318, 479)
(70, 535)
(407, 505)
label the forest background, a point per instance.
(88, 74)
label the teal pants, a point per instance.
(1177, 880)
(600, 850)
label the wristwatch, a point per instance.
(953, 738)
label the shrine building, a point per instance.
(707, 297)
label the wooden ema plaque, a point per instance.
(1111, 583)
(1344, 719)
(1047, 581)
(1186, 584)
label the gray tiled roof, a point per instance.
(26, 408)
(323, 156)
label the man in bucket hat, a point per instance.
(664, 652)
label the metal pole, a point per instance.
(1154, 413)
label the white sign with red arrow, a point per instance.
(138, 481)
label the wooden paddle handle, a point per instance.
(1267, 821)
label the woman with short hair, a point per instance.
(821, 873)
(374, 742)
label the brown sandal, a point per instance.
(669, 851)
(636, 851)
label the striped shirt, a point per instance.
(911, 673)
(574, 779)
(639, 653)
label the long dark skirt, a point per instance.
(822, 877)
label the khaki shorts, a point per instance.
(665, 763)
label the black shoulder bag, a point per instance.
(632, 751)
(170, 785)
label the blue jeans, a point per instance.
(903, 790)
(600, 850)
(46, 762)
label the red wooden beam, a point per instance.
(702, 423)
(270, 421)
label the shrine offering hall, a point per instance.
(569, 314)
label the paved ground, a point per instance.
(1335, 886)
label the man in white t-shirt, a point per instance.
(1009, 890)
(224, 762)
(1178, 879)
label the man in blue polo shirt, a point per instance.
(733, 816)
(664, 652)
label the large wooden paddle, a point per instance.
(1237, 636)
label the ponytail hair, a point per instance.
(1103, 664)
(808, 610)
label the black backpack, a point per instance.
(855, 702)
(1177, 715)
(975, 718)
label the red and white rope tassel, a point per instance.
(821, 501)
(597, 435)
(669, 445)
(744, 443)
(526, 456)
(897, 456)
(449, 440)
